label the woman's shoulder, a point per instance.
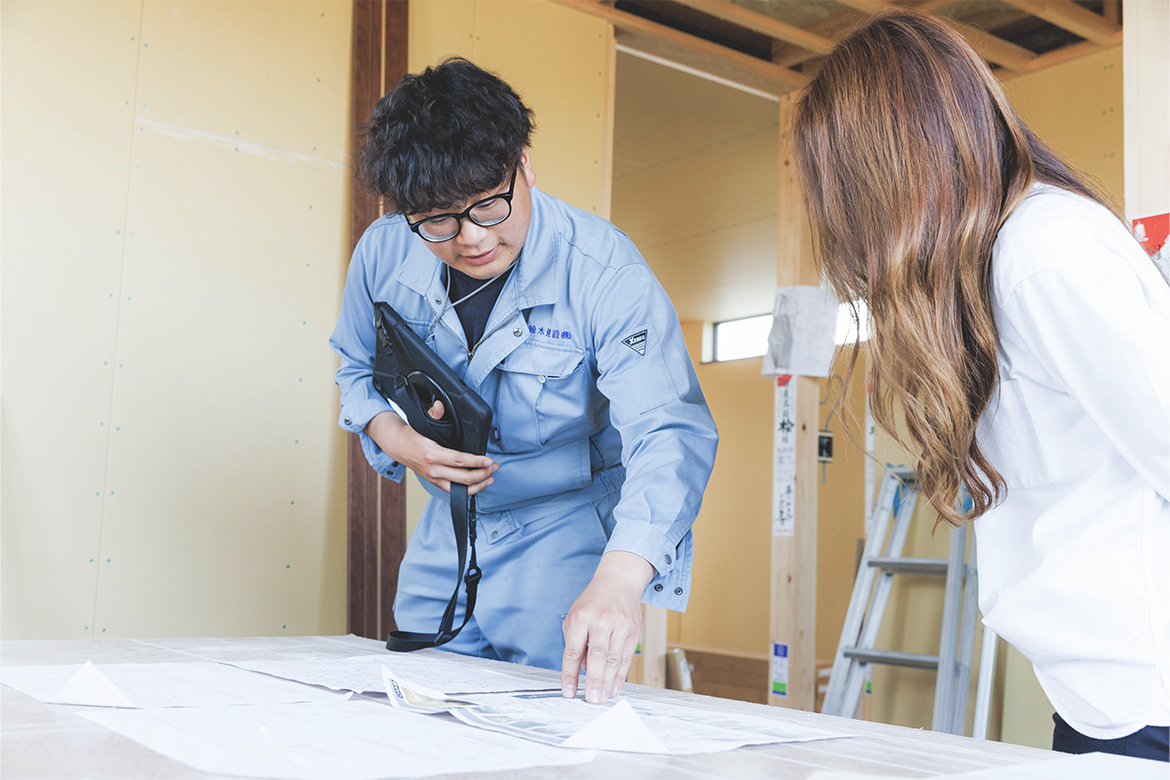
(1055, 229)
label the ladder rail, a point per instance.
(858, 601)
(892, 515)
(966, 646)
(854, 680)
(896, 500)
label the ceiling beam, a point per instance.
(774, 28)
(1058, 57)
(1072, 17)
(689, 50)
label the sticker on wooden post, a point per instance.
(784, 459)
(779, 669)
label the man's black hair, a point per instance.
(442, 137)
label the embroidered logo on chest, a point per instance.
(637, 342)
(551, 333)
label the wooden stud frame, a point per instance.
(793, 45)
(377, 506)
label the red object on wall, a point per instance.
(1151, 232)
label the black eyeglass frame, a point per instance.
(466, 214)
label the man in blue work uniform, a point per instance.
(601, 444)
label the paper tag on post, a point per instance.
(784, 461)
(804, 323)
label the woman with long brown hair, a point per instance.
(1025, 336)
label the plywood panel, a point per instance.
(717, 187)
(259, 72)
(1077, 109)
(64, 214)
(222, 402)
(440, 30)
(729, 604)
(557, 59)
(171, 460)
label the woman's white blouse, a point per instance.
(1074, 565)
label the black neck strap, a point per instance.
(463, 521)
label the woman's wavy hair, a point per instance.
(912, 159)
(442, 137)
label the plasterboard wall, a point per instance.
(175, 212)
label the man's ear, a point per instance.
(526, 167)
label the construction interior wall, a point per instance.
(175, 203)
(175, 233)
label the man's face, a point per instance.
(484, 252)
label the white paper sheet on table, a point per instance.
(1089, 766)
(363, 674)
(630, 724)
(350, 740)
(155, 685)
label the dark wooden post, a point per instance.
(377, 506)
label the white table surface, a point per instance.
(51, 741)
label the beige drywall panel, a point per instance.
(706, 223)
(63, 196)
(729, 604)
(1077, 109)
(556, 58)
(222, 506)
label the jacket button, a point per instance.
(348, 421)
(678, 591)
(668, 560)
(517, 332)
(543, 379)
(658, 587)
(495, 534)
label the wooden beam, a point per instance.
(774, 28)
(1072, 17)
(794, 558)
(1057, 57)
(835, 28)
(376, 508)
(661, 41)
(867, 6)
(994, 49)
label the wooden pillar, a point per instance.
(794, 557)
(1146, 42)
(377, 506)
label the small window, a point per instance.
(748, 338)
(738, 339)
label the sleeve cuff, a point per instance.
(671, 586)
(354, 418)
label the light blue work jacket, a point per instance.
(583, 364)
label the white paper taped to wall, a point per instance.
(804, 322)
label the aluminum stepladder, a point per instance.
(896, 500)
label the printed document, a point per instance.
(357, 739)
(155, 685)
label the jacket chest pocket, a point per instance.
(544, 397)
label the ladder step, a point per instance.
(892, 658)
(911, 565)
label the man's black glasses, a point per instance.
(485, 213)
